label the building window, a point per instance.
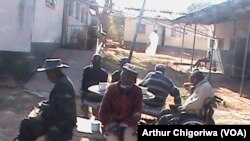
(175, 33)
(142, 29)
(51, 3)
(232, 44)
(221, 43)
(71, 8)
(82, 14)
(77, 11)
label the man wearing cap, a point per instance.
(117, 74)
(160, 86)
(61, 107)
(92, 75)
(121, 107)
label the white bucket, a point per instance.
(95, 125)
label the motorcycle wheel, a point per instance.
(192, 121)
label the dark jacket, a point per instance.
(62, 107)
(116, 76)
(92, 76)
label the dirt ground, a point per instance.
(234, 110)
(16, 102)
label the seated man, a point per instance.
(194, 103)
(160, 86)
(206, 59)
(201, 91)
(57, 118)
(92, 75)
(121, 107)
(117, 74)
(199, 62)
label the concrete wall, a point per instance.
(47, 27)
(201, 42)
(15, 26)
(242, 28)
(47, 32)
(225, 31)
(30, 32)
(129, 30)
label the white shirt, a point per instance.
(154, 39)
(195, 101)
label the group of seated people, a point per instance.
(121, 106)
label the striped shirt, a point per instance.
(160, 86)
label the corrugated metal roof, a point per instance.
(227, 11)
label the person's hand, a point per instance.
(43, 105)
(191, 89)
(187, 85)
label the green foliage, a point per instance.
(115, 29)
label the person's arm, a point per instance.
(145, 80)
(115, 76)
(84, 82)
(189, 104)
(176, 94)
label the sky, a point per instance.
(170, 5)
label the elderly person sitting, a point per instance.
(93, 74)
(117, 73)
(160, 86)
(202, 90)
(58, 118)
(121, 107)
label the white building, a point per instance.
(32, 29)
(80, 14)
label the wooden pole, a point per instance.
(245, 61)
(136, 31)
(212, 52)
(235, 44)
(193, 45)
(183, 39)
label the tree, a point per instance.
(107, 9)
(115, 29)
